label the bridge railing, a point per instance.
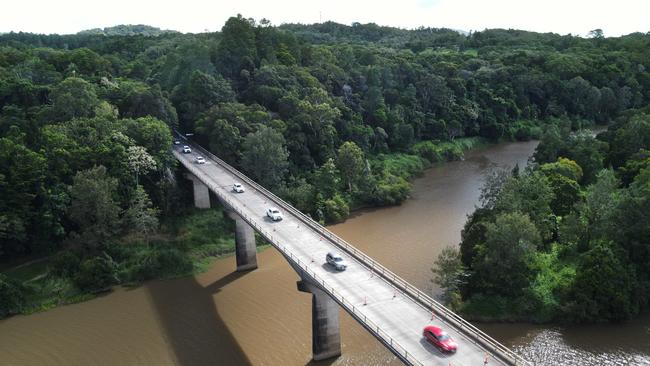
(476, 335)
(348, 305)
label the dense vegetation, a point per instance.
(127, 30)
(567, 239)
(331, 117)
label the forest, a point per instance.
(567, 239)
(330, 117)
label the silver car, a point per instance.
(336, 261)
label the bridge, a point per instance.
(391, 309)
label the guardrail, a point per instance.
(349, 306)
(495, 348)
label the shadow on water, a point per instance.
(191, 323)
(328, 362)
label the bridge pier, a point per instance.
(245, 248)
(326, 334)
(201, 192)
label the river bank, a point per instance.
(249, 319)
(180, 248)
(184, 246)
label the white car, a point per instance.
(237, 187)
(186, 149)
(336, 261)
(200, 160)
(274, 214)
(177, 142)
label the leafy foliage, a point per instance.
(11, 296)
(592, 263)
(329, 116)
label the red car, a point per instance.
(439, 338)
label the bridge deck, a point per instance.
(394, 317)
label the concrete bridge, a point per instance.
(391, 309)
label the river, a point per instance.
(259, 318)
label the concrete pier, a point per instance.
(326, 334)
(387, 306)
(201, 192)
(245, 249)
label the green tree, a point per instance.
(449, 272)
(630, 227)
(140, 162)
(152, 134)
(12, 297)
(236, 50)
(531, 194)
(265, 156)
(351, 162)
(97, 273)
(224, 139)
(201, 92)
(327, 179)
(563, 177)
(604, 287)
(629, 139)
(93, 208)
(141, 216)
(22, 173)
(565, 167)
(502, 264)
(591, 220)
(335, 209)
(73, 98)
(551, 145)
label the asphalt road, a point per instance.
(398, 316)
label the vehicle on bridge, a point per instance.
(200, 160)
(336, 261)
(238, 188)
(177, 142)
(186, 149)
(274, 214)
(439, 338)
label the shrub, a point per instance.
(401, 165)
(159, 262)
(335, 209)
(436, 151)
(65, 264)
(97, 274)
(202, 227)
(428, 150)
(11, 296)
(524, 130)
(391, 190)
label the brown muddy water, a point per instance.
(259, 318)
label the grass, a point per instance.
(400, 165)
(443, 151)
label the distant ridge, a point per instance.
(128, 30)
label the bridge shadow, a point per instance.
(327, 362)
(192, 326)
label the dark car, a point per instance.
(439, 338)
